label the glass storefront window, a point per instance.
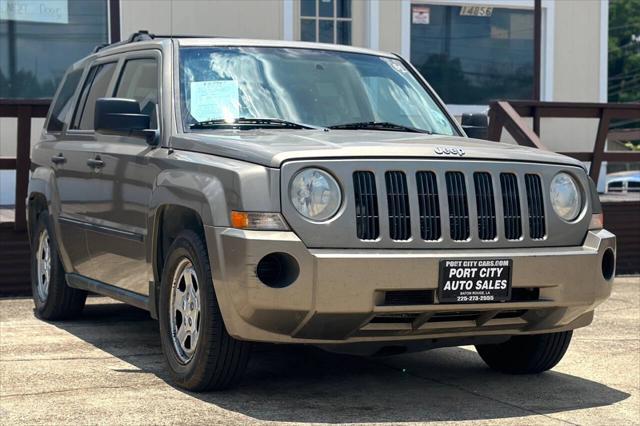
(326, 21)
(36, 48)
(472, 55)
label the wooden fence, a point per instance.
(621, 215)
(509, 115)
(24, 111)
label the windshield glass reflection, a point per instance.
(313, 87)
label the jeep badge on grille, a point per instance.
(449, 150)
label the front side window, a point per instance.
(61, 108)
(314, 87)
(473, 54)
(326, 21)
(95, 86)
(139, 81)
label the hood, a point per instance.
(271, 148)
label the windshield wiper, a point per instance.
(245, 122)
(378, 125)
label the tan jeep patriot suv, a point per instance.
(261, 191)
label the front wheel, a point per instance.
(528, 354)
(199, 352)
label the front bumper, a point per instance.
(339, 295)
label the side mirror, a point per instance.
(476, 125)
(122, 116)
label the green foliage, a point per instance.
(624, 51)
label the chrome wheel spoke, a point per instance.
(182, 334)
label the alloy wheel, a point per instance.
(184, 318)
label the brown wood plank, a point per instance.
(624, 135)
(518, 128)
(621, 156)
(23, 165)
(114, 20)
(15, 276)
(496, 123)
(621, 218)
(8, 163)
(598, 149)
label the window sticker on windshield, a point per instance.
(214, 99)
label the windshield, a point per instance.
(318, 88)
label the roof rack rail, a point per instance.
(144, 35)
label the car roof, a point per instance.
(158, 43)
(233, 42)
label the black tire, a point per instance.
(529, 354)
(219, 360)
(60, 301)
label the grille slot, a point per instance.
(458, 206)
(535, 201)
(394, 318)
(511, 206)
(429, 206)
(366, 199)
(486, 206)
(455, 316)
(398, 202)
(525, 294)
(408, 297)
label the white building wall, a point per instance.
(233, 18)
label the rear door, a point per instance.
(116, 243)
(53, 152)
(75, 178)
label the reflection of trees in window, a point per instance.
(475, 59)
(35, 55)
(25, 84)
(457, 87)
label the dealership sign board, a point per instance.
(46, 11)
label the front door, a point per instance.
(117, 243)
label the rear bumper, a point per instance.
(339, 295)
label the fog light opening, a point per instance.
(608, 264)
(278, 270)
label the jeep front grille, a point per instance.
(415, 204)
(457, 201)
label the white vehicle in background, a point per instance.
(623, 182)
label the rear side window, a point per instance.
(139, 81)
(94, 87)
(60, 110)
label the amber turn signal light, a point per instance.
(265, 221)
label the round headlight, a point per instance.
(565, 196)
(315, 194)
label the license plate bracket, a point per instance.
(475, 281)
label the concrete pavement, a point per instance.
(107, 368)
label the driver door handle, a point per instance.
(58, 159)
(95, 163)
